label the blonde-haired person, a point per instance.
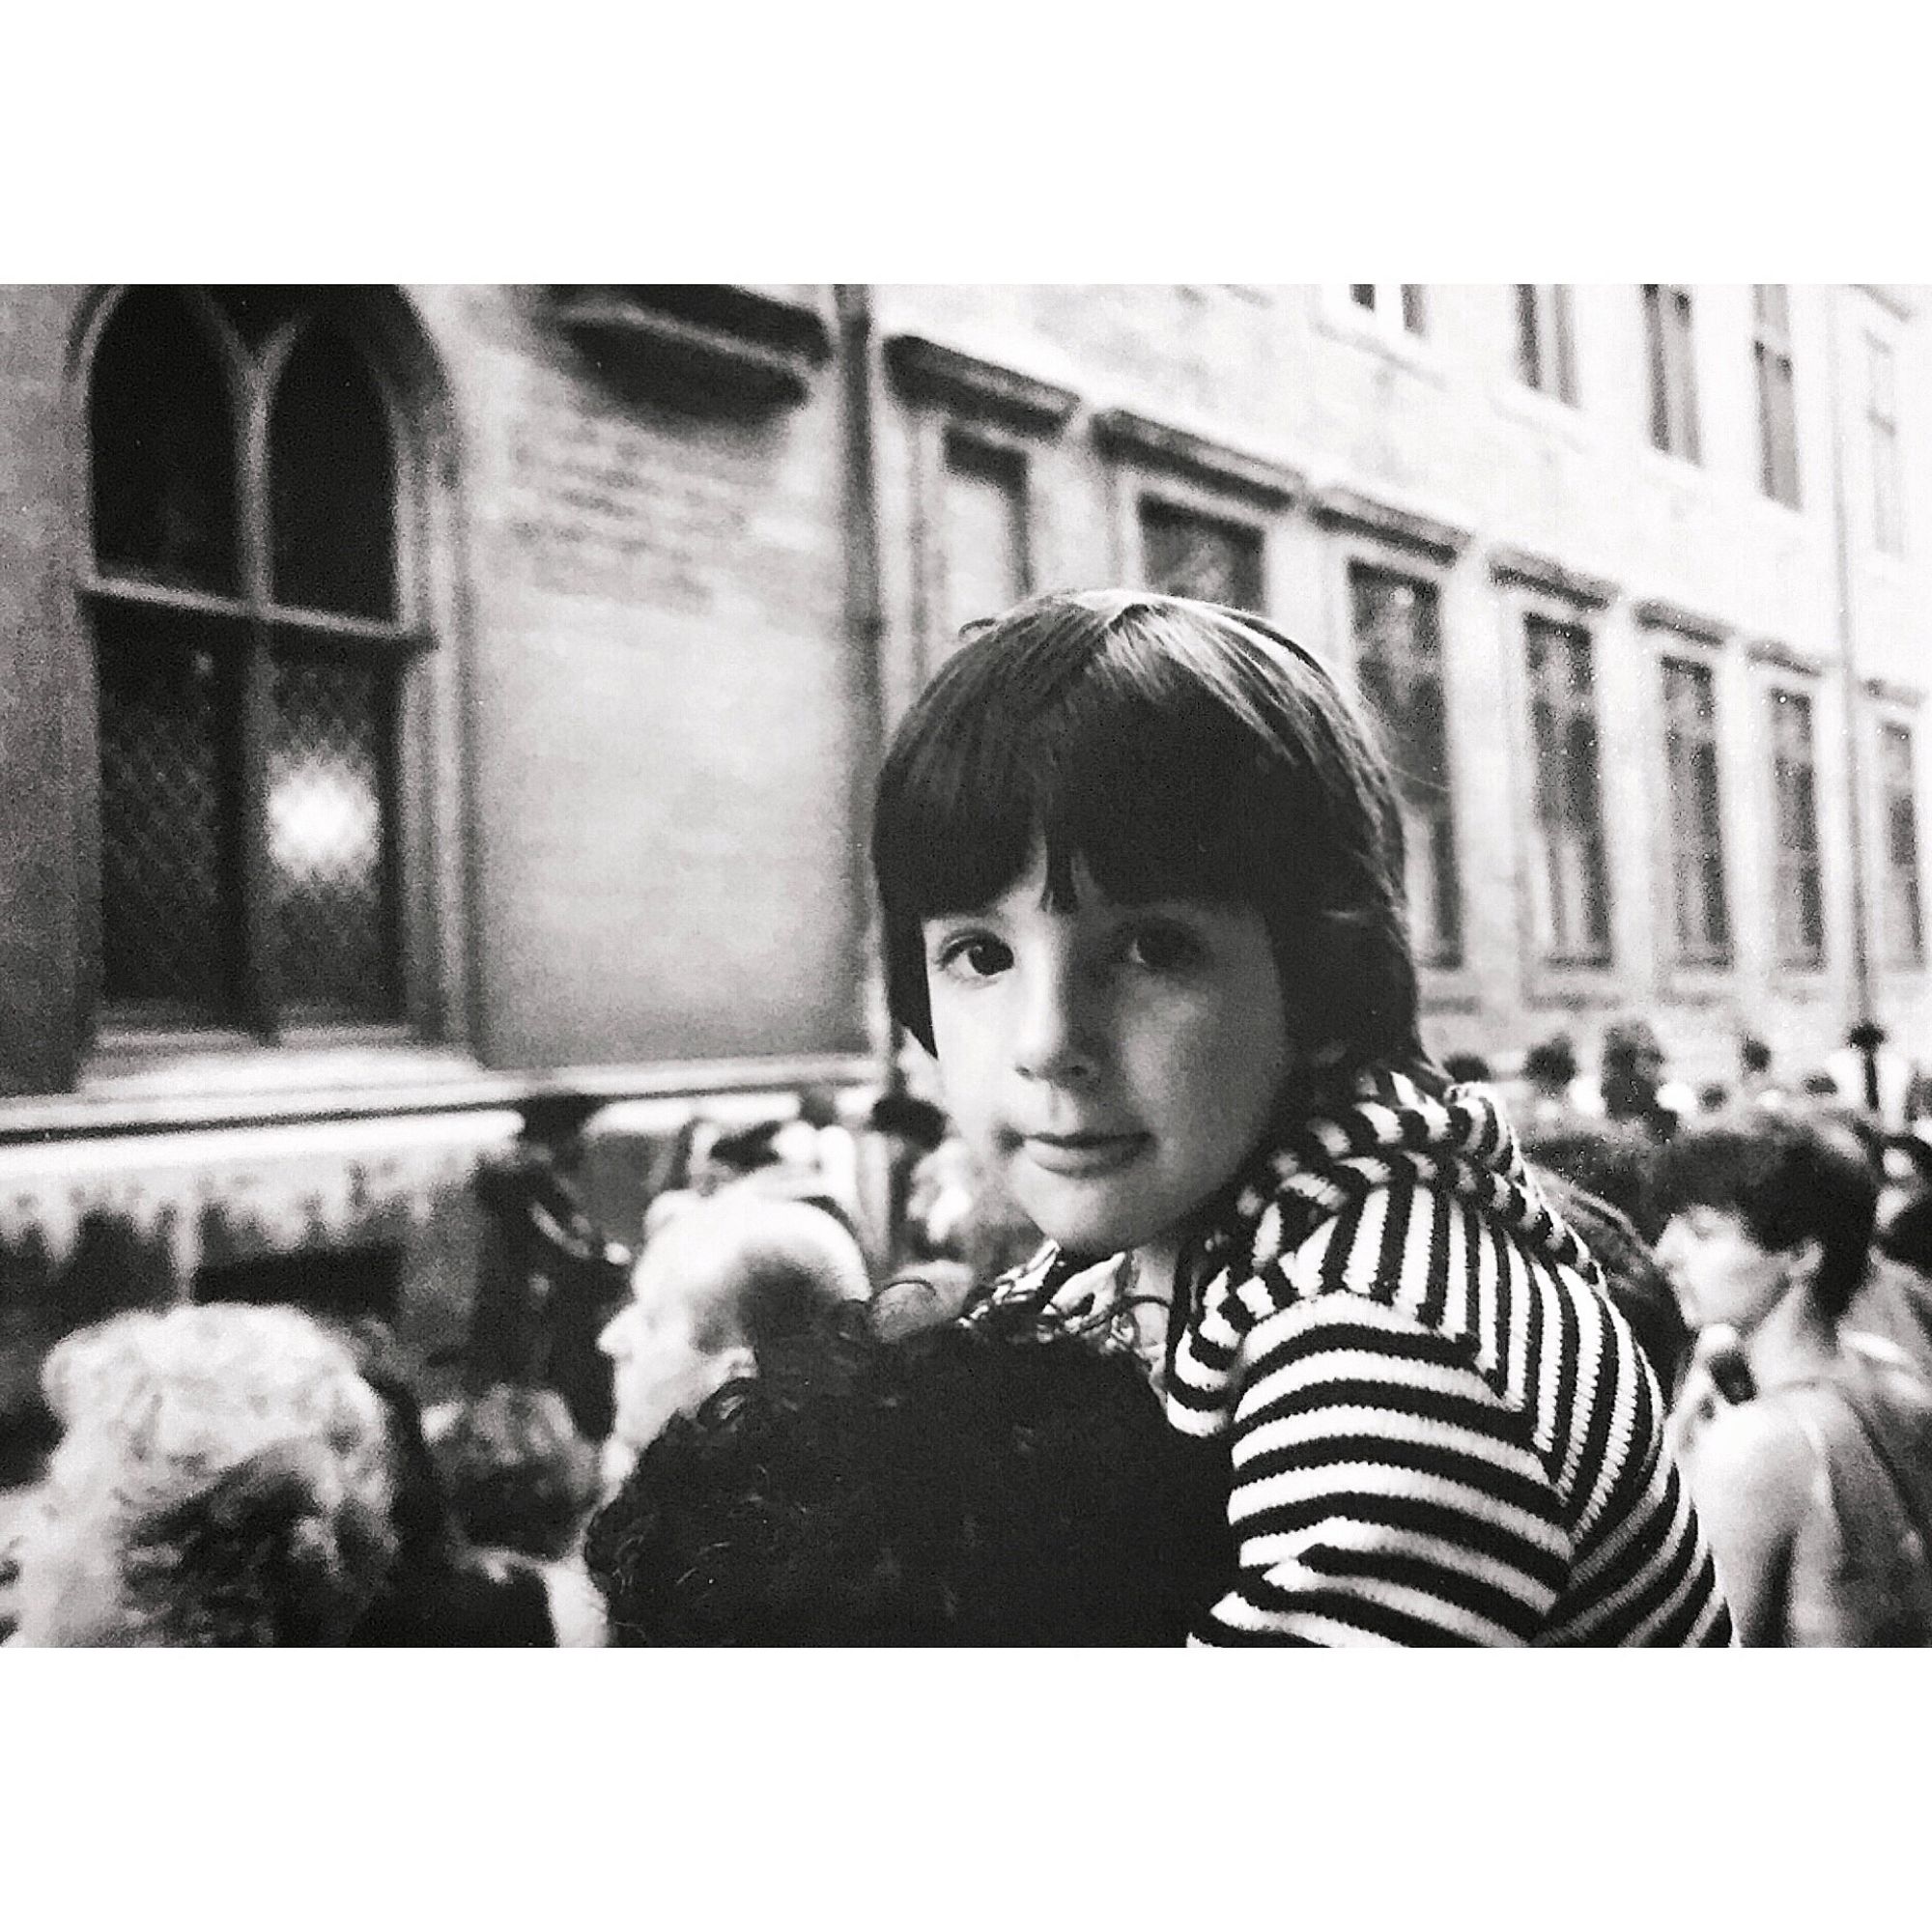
(223, 1478)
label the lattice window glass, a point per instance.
(1798, 904)
(1702, 925)
(330, 771)
(1398, 665)
(1570, 884)
(1187, 554)
(251, 651)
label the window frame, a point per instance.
(420, 816)
(1775, 369)
(1441, 957)
(1545, 344)
(1553, 948)
(955, 401)
(1909, 957)
(1685, 845)
(1885, 442)
(1815, 958)
(1670, 341)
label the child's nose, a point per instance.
(1058, 1032)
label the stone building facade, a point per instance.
(417, 702)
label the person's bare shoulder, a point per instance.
(1755, 1456)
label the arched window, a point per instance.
(253, 620)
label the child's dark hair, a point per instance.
(1178, 748)
(1787, 1182)
(519, 1475)
(951, 1488)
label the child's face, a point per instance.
(1112, 1065)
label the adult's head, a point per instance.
(722, 1285)
(518, 1474)
(1760, 1208)
(1167, 748)
(223, 1477)
(955, 1489)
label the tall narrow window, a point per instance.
(1800, 903)
(986, 532)
(1404, 304)
(1545, 344)
(1398, 665)
(1673, 386)
(1570, 884)
(1697, 845)
(1187, 554)
(1882, 420)
(1904, 917)
(1777, 401)
(249, 645)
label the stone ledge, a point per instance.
(1663, 614)
(1122, 432)
(1337, 508)
(710, 339)
(932, 371)
(1784, 657)
(1884, 692)
(1546, 573)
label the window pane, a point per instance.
(1528, 350)
(986, 558)
(1574, 905)
(170, 918)
(1362, 293)
(1414, 307)
(1190, 555)
(329, 803)
(161, 426)
(1660, 378)
(1566, 343)
(332, 480)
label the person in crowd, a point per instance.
(1549, 1068)
(1633, 1083)
(1635, 1283)
(1807, 1446)
(724, 1284)
(1141, 868)
(1615, 1162)
(521, 1482)
(222, 1478)
(442, 1591)
(1758, 1084)
(1462, 1067)
(960, 1488)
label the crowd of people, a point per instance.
(1198, 1302)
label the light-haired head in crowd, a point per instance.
(223, 1478)
(724, 1284)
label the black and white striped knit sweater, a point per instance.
(1440, 1430)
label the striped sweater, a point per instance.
(1439, 1428)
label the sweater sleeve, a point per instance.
(1383, 1493)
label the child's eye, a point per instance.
(1162, 947)
(973, 956)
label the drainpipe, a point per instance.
(864, 623)
(1864, 1014)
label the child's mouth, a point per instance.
(1082, 1156)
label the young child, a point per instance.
(1140, 862)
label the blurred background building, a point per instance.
(422, 706)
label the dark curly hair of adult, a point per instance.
(955, 1488)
